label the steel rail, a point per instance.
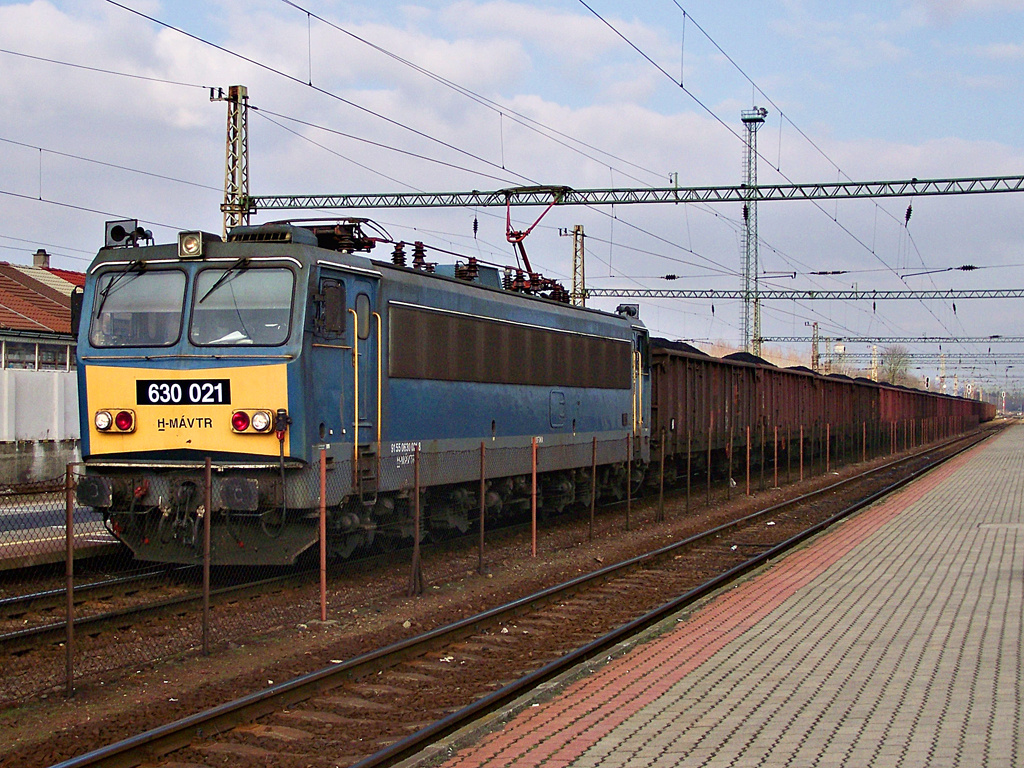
(56, 597)
(173, 736)
(17, 640)
(13, 641)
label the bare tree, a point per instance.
(895, 364)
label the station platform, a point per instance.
(28, 547)
(894, 639)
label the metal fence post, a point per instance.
(711, 429)
(661, 481)
(69, 574)
(761, 481)
(748, 459)
(533, 497)
(483, 503)
(323, 534)
(416, 575)
(775, 450)
(728, 450)
(593, 484)
(689, 460)
(629, 479)
(207, 503)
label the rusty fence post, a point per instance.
(593, 484)
(629, 479)
(728, 450)
(323, 533)
(533, 496)
(748, 459)
(416, 575)
(775, 450)
(69, 580)
(761, 481)
(661, 481)
(483, 504)
(711, 429)
(689, 457)
(207, 504)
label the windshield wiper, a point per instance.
(240, 266)
(137, 264)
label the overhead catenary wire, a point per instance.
(106, 164)
(729, 128)
(323, 91)
(812, 143)
(502, 110)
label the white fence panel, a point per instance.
(38, 405)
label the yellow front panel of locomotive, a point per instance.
(197, 427)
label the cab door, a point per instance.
(641, 391)
(367, 382)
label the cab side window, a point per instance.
(331, 314)
(363, 315)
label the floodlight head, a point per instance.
(121, 233)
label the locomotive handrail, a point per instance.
(355, 397)
(380, 378)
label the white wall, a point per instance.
(38, 405)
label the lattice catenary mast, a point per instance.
(751, 320)
(236, 207)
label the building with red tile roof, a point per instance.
(35, 315)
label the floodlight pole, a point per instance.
(751, 320)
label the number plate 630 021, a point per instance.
(183, 392)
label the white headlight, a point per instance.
(103, 420)
(261, 421)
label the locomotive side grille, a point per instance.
(265, 236)
(446, 347)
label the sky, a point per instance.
(105, 113)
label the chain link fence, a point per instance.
(199, 603)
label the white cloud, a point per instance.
(1003, 51)
(554, 63)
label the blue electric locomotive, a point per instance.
(262, 351)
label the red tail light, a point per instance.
(239, 421)
(124, 421)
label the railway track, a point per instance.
(45, 602)
(382, 706)
(146, 598)
(162, 592)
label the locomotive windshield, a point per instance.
(242, 305)
(137, 308)
(235, 305)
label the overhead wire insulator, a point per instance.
(419, 255)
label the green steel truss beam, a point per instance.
(658, 293)
(624, 196)
(898, 339)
